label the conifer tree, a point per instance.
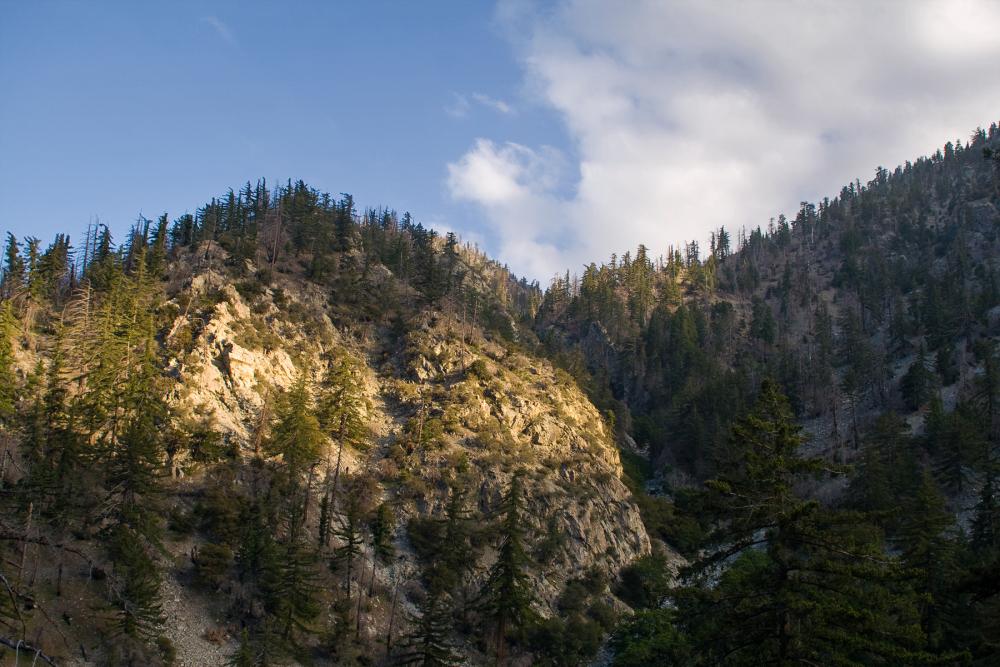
(506, 596)
(349, 532)
(383, 525)
(805, 585)
(918, 382)
(246, 654)
(341, 410)
(296, 437)
(135, 589)
(294, 596)
(257, 551)
(930, 551)
(457, 558)
(985, 536)
(428, 643)
(8, 382)
(13, 268)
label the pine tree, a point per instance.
(296, 437)
(294, 596)
(135, 451)
(918, 382)
(506, 597)
(930, 551)
(349, 532)
(428, 643)
(383, 526)
(13, 268)
(803, 585)
(8, 382)
(257, 552)
(985, 536)
(135, 589)
(246, 654)
(341, 410)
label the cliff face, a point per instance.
(442, 396)
(492, 407)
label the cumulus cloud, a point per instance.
(686, 116)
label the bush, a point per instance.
(250, 289)
(564, 643)
(645, 583)
(167, 650)
(179, 521)
(211, 565)
(218, 513)
(479, 370)
(662, 520)
(650, 638)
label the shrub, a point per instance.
(645, 583)
(479, 370)
(167, 650)
(212, 564)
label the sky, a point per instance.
(549, 134)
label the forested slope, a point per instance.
(873, 316)
(282, 431)
(278, 431)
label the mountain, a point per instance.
(279, 431)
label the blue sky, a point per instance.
(111, 109)
(552, 134)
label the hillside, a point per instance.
(279, 431)
(173, 404)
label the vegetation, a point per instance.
(810, 412)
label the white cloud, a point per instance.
(462, 104)
(497, 105)
(688, 115)
(221, 28)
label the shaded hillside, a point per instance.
(876, 314)
(836, 304)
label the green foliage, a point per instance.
(383, 527)
(651, 637)
(645, 583)
(212, 565)
(506, 596)
(664, 520)
(296, 437)
(429, 642)
(575, 637)
(917, 384)
(479, 370)
(985, 536)
(798, 583)
(930, 551)
(349, 530)
(135, 587)
(168, 652)
(219, 511)
(342, 405)
(8, 384)
(564, 643)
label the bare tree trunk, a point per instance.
(24, 547)
(392, 620)
(357, 616)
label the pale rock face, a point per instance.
(522, 414)
(515, 414)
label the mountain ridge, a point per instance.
(173, 408)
